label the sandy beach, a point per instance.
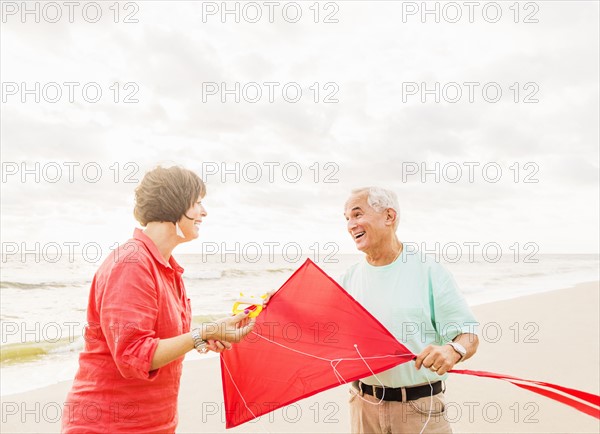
(550, 337)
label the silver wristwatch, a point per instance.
(459, 349)
(200, 344)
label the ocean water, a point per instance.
(42, 304)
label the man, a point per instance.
(418, 301)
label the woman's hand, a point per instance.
(221, 333)
(218, 346)
(230, 329)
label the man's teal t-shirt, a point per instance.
(418, 301)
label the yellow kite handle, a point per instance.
(244, 303)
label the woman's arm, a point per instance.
(226, 330)
(171, 349)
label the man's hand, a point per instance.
(269, 295)
(439, 359)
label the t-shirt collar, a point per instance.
(401, 258)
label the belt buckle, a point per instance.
(376, 389)
(383, 390)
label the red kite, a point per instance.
(312, 336)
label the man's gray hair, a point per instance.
(381, 199)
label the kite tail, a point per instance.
(541, 388)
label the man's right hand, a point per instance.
(268, 297)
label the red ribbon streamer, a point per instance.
(534, 386)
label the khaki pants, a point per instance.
(392, 417)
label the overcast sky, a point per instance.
(371, 65)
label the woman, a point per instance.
(139, 318)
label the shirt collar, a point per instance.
(139, 235)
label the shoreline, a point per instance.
(532, 336)
(516, 295)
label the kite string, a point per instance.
(340, 378)
(291, 349)
(383, 394)
(374, 375)
(240, 393)
(330, 360)
(335, 362)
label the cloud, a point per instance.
(366, 138)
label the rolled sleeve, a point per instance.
(128, 315)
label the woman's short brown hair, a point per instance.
(165, 194)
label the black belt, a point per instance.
(395, 394)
